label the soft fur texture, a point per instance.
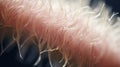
(83, 36)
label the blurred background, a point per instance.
(30, 53)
